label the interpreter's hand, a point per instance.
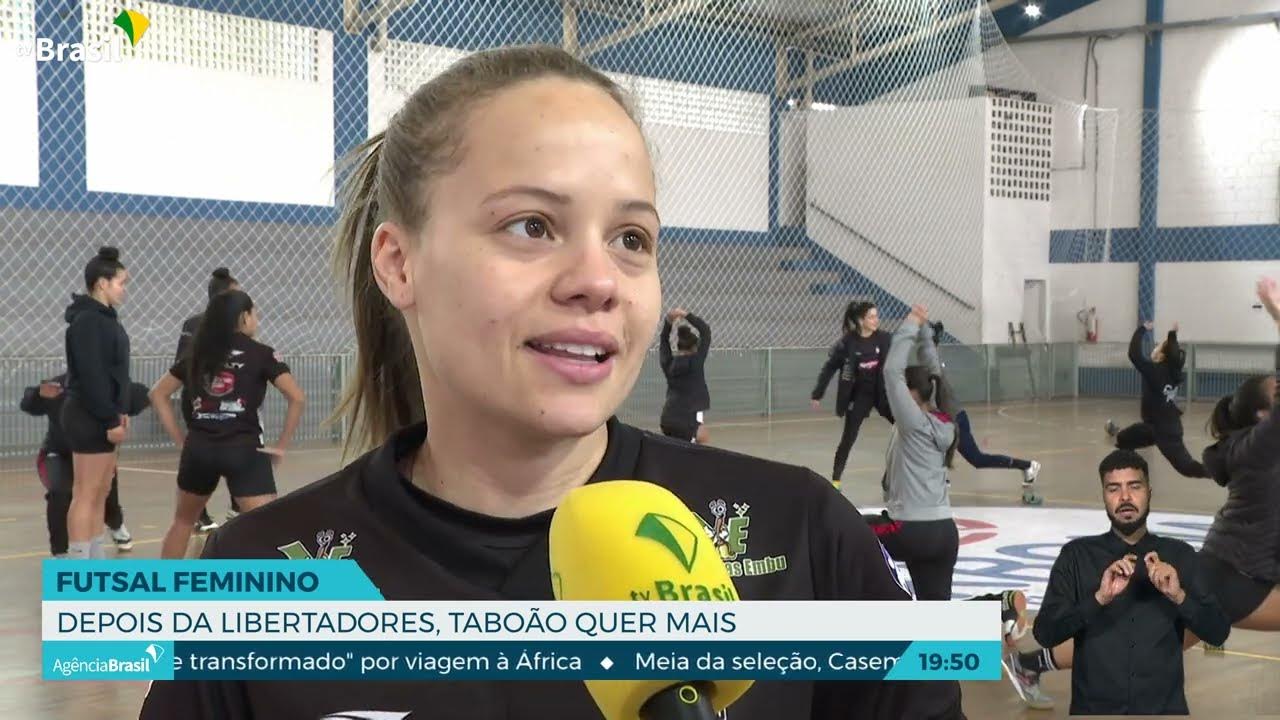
(1115, 579)
(1164, 577)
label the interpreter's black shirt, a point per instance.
(1128, 654)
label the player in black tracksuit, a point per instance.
(1161, 418)
(94, 417)
(521, 334)
(219, 281)
(53, 463)
(1241, 553)
(687, 397)
(859, 356)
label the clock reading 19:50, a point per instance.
(954, 662)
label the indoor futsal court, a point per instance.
(1064, 435)
(885, 240)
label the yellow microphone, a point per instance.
(632, 540)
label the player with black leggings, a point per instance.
(226, 379)
(1161, 418)
(1241, 553)
(858, 355)
(921, 531)
(94, 416)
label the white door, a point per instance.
(1035, 310)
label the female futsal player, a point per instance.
(1161, 418)
(219, 281)
(53, 463)
(920, 531)
(94, 416)
(973, 453)
(499, 239)
(858, 355)
(1241, 553)
(226, 377)
(687, 397)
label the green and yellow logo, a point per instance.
(134, 24)
(325, 549)
(668, 532)
(729, 537)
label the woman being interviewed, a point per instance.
(500, 242)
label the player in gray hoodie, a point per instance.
(920, 530)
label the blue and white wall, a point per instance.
(1198, 208)
(193, 155)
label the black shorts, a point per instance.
(1237, 593)
(85, 434)
(247, 470)
(684, 427)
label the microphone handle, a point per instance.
(683, 701)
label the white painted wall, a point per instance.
(20, 149)
(711, 178)
(909, 177)
(1214, 300)
(1015, 249)
(1220, 119)
(213, 134)
(791, 167)
(1085, 189)
(710, 146)
(1110, 287)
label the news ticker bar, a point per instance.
(471, 660)
(151, 621)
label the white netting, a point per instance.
(808, 153)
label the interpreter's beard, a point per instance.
(1128, 527)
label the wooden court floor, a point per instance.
(1065, 436)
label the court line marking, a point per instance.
(825, 415)
(173, 458)
(146, 470)
(45, 553)
(1255, 656)
(1050, 502)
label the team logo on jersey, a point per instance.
(729, 536)
(224, 383)
(325, 549)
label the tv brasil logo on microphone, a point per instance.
(683, 543)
